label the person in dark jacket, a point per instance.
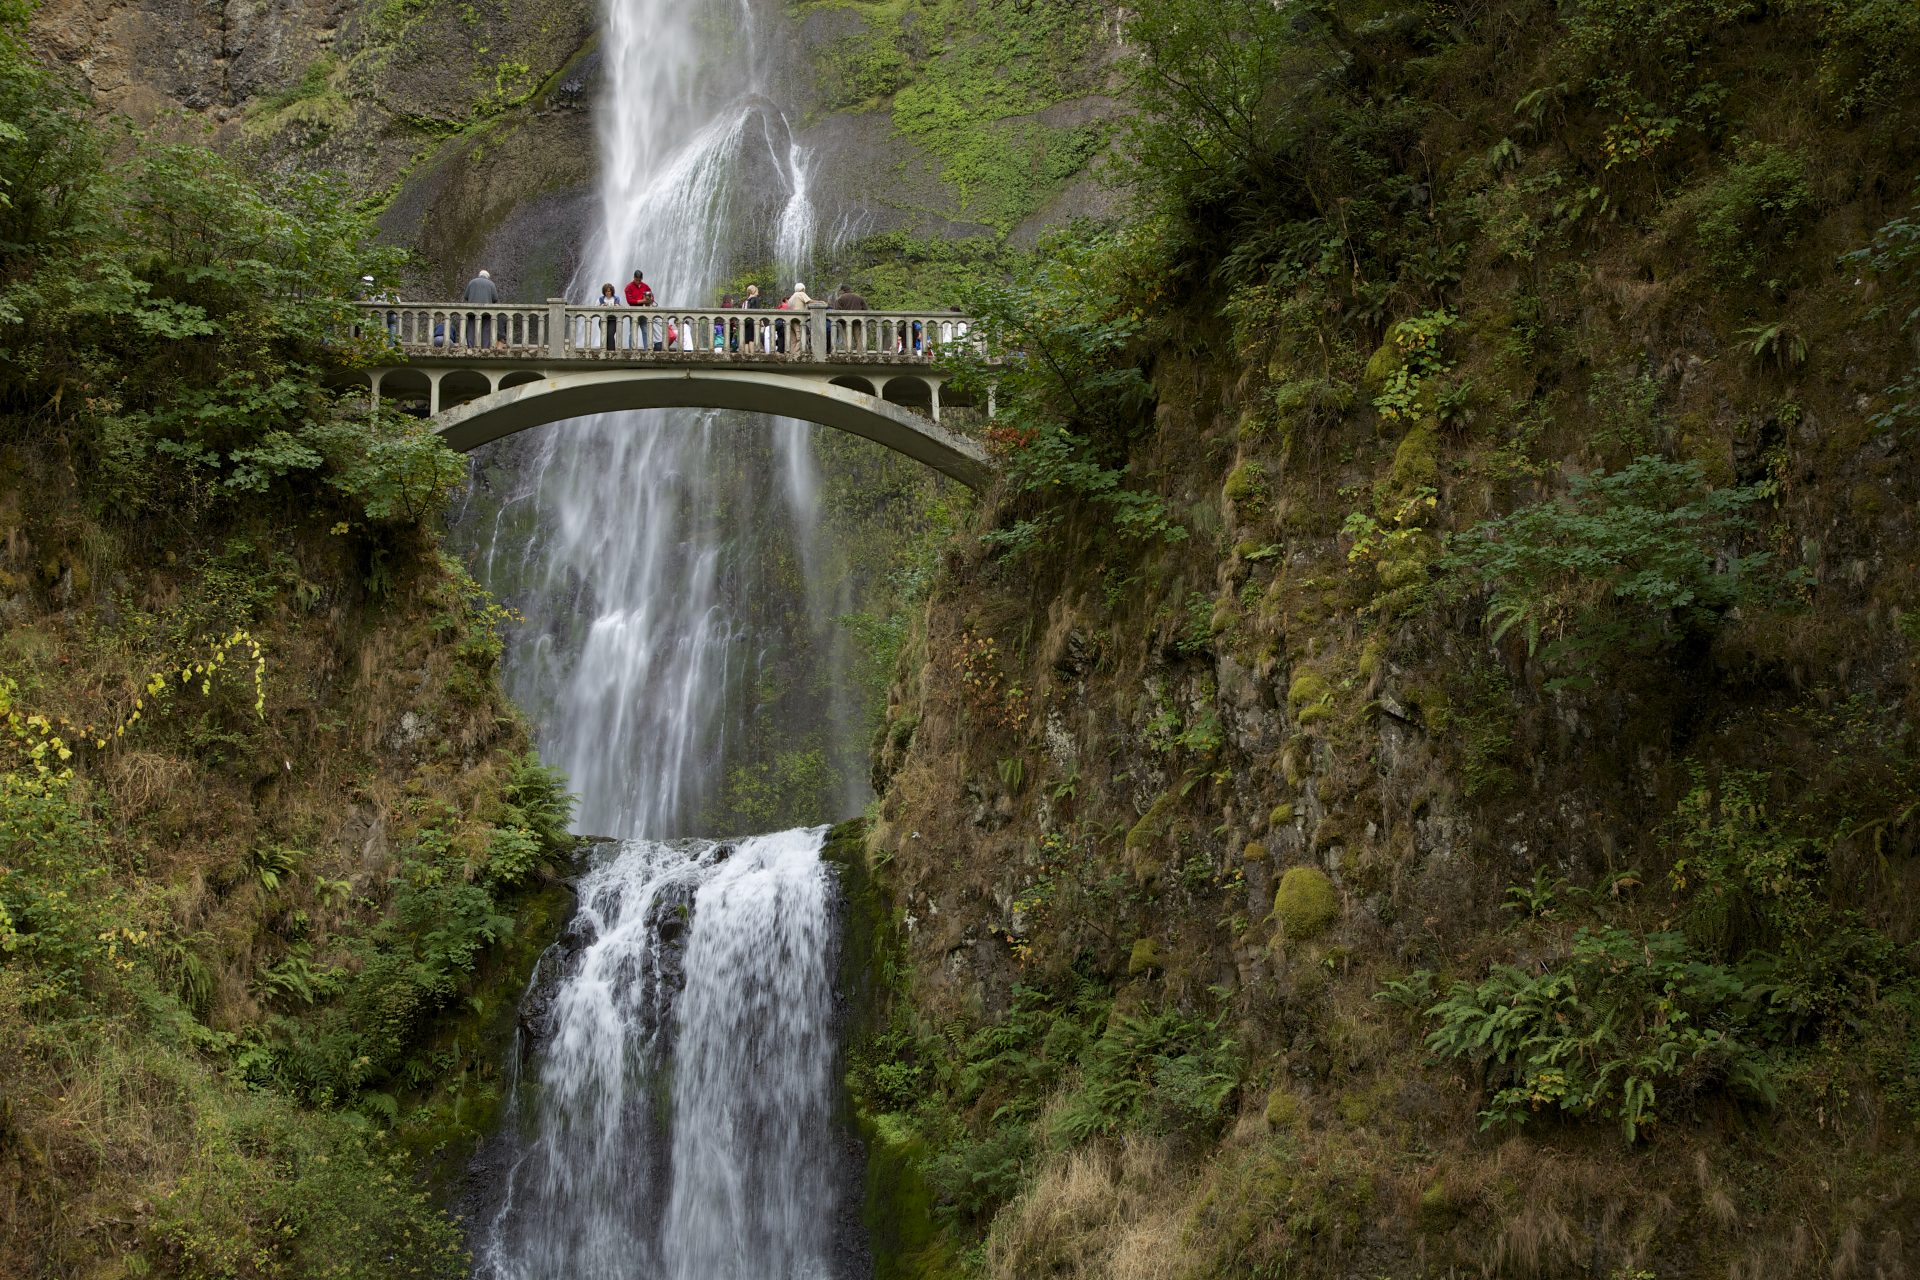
(847, 300)
(481, 291)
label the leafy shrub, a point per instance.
(1894, 256)
(1759, 204)
(1069, 397)
(1869, 49)
(1632, 557)
(186, 323)
(1627, 1028)
(1165, 1073)
(1752, 882)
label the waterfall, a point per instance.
(670, 1115)
(682, 1126)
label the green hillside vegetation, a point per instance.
(273, 849)
(1416, 774)
(968, 82)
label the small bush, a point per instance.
(1628, 1025)
(1629, 559)
(1759, 204)
(1165, 1073)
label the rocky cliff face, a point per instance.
(1296, 894)
(472, 121)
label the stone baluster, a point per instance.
(559, 341)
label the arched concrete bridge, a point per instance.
(487, 372)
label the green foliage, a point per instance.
(1869, 50)
(794, 787)
(278, 1193)
(1627, 1027)
(1630, 557)
(1265, 155)
(1415, 345)
(182, 325)
(1894, 258)
(539, 804)
(860, 68)
(1758, 205)
(970, 104)
(1070, 400)
(1752, 882)
(58, 910)
(1163, 1073)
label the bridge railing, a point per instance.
(561, 331)
(452, 329)
(629, 332)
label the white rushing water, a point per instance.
(622, 538)
(671, 1119)
(682, 1126)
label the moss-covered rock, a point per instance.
(1310, 695)
(1305, 903)
(905, 1239)
(1283, 1109)
(1147, 840)
(1416, 461)
(1246, 487)
(1145, 958)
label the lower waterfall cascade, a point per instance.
(680, 1038)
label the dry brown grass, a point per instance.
(1096, 1213)
(137, 780)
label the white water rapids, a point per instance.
(683, 1122)
(671, 1119)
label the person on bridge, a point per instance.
(608, 298)
(640, 294)
(483, 292)
(846, 300)
(798, 301)
(753, 302)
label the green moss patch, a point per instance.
(1305, 903)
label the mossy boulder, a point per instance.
(1246, 486)
(1254, 852)
(1305, 903)
(1283, 1108)
(1387, 359)
(1282, 814)
(1147, 841)
(1310, 696)
(1416, 462)
(1307, 688)
(1145, 958)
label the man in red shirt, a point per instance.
(640, 294)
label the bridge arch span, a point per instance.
(558, 397)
